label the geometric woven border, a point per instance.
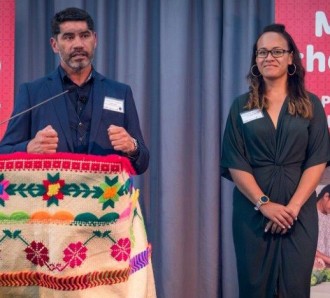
(65, 162)
(141, 260)
(68, 283)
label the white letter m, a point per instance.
(321, 22)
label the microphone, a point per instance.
(70, 89)
(83, 99)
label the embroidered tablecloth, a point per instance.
(71, 226)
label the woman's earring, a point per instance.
(294, 71)
(251, 71)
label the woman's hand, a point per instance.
(281, 217)
(274, 228)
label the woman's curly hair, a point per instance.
(299, 103)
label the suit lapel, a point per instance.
(98, 98)
(60, 108)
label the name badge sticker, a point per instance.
(113, 104)
(251, 115)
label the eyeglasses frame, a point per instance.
(270, 52)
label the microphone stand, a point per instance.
(35, 106)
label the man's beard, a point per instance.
(76, 66)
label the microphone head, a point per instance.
(71, 88)
(83, 99)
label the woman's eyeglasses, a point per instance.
(276, 53)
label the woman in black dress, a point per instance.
(275, 149)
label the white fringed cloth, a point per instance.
(71, 226)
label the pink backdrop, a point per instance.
(309, 24)
(7, 41)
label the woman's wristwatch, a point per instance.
(262, 201)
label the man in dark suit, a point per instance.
(97, 116)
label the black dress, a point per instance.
(277, 159)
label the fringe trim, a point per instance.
(66, 161)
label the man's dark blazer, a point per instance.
(23, 128)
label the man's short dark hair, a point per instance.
(71, 14)
(324, 190)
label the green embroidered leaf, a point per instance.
(16, 234)
(21, 190)
(107, 204)
(54, 178)
(85, 186)
(72, 189)
(128, 184)
(66, 189)
(111, 182)
(86, 217)
(39, 190)
(36, 190)
(122, 190)
(2, 203)
(11, 189)
(24, 190)
(19, 215)
(106, 234)
(86, 190)
(51, 201)
(82, 190)
(7, 233)
(3, 216)
(109, 217)
(76, 190)
(98, 191)
(136, 213)
(97, 233)
(1, 177)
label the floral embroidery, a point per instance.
(37, 253)
(53, 188)
(112, 190)
(70, 224)
(110, 193)
(3, 194)
(75, 254)
(121, 250)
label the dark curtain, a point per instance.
(185, 60)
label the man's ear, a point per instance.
(53, 44)
(95, 44)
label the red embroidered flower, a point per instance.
(53, 189)
(37, 253)
(75, 254)
(121, 250)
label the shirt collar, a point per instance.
(65, 78)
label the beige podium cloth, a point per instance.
(71, 226)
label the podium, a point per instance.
(71, 226)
